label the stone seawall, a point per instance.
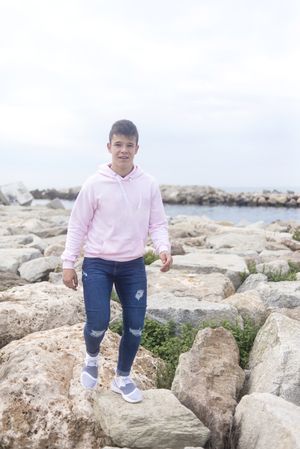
(194, 194)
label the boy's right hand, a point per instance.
(70, 278)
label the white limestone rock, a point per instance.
(284, 294)
(275, 359)
(249, 305)
(212, 287)
(188, 309)
(267, 421)
(42, 401)
(39, 269)
(12, 258)
(205, 261)
(159, 419)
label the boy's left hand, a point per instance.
(167, 261)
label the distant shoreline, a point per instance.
(202, 195)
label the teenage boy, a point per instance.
(113, 214)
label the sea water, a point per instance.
(235, 214)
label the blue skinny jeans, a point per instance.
(129, 278)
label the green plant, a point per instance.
(278, 277)
(114, 296)
(296, 235)
(150, 257)
(165, 342)
(251, 265)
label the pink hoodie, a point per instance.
(113, 215)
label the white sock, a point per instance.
(91, 360)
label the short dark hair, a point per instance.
(124, 127)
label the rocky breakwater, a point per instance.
(197, 194)
(174, 194)
(221, 273)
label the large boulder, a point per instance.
(8, 280)
(39, 269)
(188, 309)
(275, 359)
(263, 421)
(285, 294)
(31, 308)
(22, 241)
(275, 267)
(15, 193)
(249, 305)
(12, 258)
(35, 307)
(205, 261)
(252, 282)
(208, 380)
(239, 240)
(42, 401)
(212, 287)
(159, 421)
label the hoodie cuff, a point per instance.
(68, 264)
(164, 248)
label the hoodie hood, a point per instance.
(136, 172)
(105, 170)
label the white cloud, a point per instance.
(217, 78)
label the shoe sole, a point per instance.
(90, 377)
(115, 389)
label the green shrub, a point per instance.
(296, 235)
(114, 296)
(165, 342)
(150, 257)
(251, 265)
(278, 277)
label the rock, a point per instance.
(252, 282)
(208, 379)
(269, 255)
(11, 259)
(35, 307)
(275, 267)
(42, 401)
(8, 280)
(31, 308)
(205, 261)
(285, 294)
(212, 287)
(249, 305)
(56, 203)
(294, 313)
(39, 269)
(159, 419)
(55, 249)
(37, 227)
(294, 245)
(177, 249)
(187, 309)
(15, 193)
(275, 359)
(238, 240)
(266, 421)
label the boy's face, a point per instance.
(122, 149)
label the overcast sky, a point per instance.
(213, 87)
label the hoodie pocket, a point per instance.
(123, 247)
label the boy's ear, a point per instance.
(136, 149)
(109, 147)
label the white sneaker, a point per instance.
(89, 373)
(125, 386)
